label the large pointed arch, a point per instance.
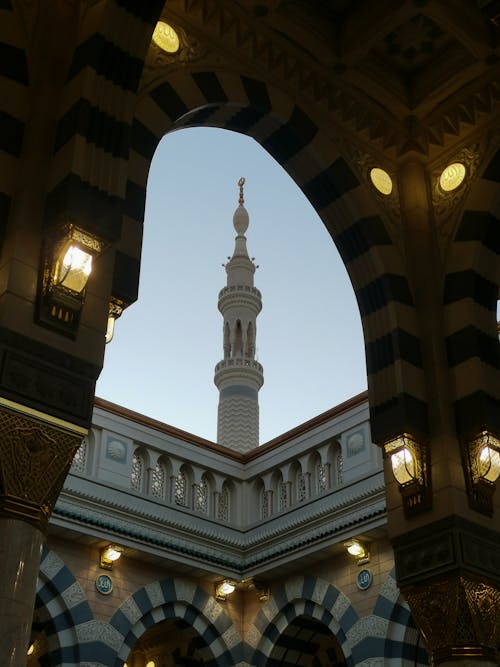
(302, 596)
(181, 599)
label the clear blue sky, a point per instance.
(309, 337)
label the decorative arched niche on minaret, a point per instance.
(239, 376)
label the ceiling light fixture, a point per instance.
(381, 180)
(452, 176)
(166, 37)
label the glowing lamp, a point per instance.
(411, 470)
(31, 649)
(482, 470)
(381, 180)
(109, 555)
(165, 37)
(452, 176)
(224, 588)
(358, 550)
(403, 466)
(68, 256)
(114, 311)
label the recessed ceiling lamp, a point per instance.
(166, 38)
(452, 176)
(381, 180)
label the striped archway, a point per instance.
(308, 597)
(100, 178)
(397, 635)
(470, 297)
(14, 105)
(63, 613)
(175, 598)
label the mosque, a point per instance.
(227, 553)
(367, 536)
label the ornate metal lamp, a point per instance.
(410, 467)
(68, 256)
(481, 458)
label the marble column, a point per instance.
(35, 454)
(20, 549)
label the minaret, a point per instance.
(239, 376)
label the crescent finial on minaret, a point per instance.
(241, 183)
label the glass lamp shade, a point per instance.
(112, 553)
(110, 331)
(226, 588)
(489, 464)
(73, 269)
(452, 176)
(356, 549)
(381, 180)
(403, 465)
(166, 38)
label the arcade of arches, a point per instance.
(332, 90)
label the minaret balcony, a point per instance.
(240, 296)
(239, 362)
(238, 369)
(239, 289)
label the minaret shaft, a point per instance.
(239, 376)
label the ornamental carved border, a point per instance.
(458, 616)
(35, 457)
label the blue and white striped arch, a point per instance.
(301, 596)
(63, 613)
(386, 638)
(393, 635)
(176, 598)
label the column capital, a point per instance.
(36, 451)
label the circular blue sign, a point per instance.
(104, 584)
(364, 580)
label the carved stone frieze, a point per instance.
(447, 205)
(458, 616)
(362, 163)
(449, 573)
(380, 91)
(451, 545)
(35, 457)
(46, 379)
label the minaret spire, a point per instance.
(239, 376)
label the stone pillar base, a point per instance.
(449, 573)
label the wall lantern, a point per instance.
(359, 551)
(109, 555)
(410, 467)
(114, 312)
(68, 256)
(482, 469)
(225, 588)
